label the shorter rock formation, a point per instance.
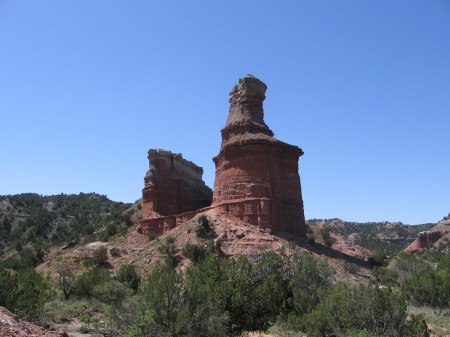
(173, 185)
(12, 326)
(427, 239)
(423, 240)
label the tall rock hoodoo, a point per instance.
(257, 176)
(257, 180)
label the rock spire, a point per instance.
(256, 174)
(257, 180)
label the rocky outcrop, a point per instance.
(173, 186)
(257, 180)
(428, 238)
(12, 326)
(423, 240)
(257, 176)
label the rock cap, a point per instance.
(248, 87)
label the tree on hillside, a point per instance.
(65, 281)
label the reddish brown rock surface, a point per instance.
(426, 239)
(12, 326)
(257, 176)
(257, 180)
(429, 238)
(173, 186)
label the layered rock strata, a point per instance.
(173, 186)
(257, 180)
(423, 240)
(257, 176)
(439, 233)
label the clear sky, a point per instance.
(363, 87)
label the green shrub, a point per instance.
(99, 258)
(346, 309)
(170, 240)
(85, 283)
(167, 248)
(114, 251)
(385, 275)
(351, 267)
(310, 278)
(84, 329)
(226, 297)
(65, 281)
(193, 252)
(152, 236)
(128, 275)
(203, 230)
(111, 292)
(378, 259)
(326, 237)
(85, 318)
(24, 293)
(361, 333)
(9, 283)
(430, 288)
(27, 259)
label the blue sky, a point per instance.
(363, 87)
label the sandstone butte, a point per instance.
(257, 180)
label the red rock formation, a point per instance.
(173, 186)
(423, 240)
(257, 180)
(12, 326)
(257, 176)
(426, 239)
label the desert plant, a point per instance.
(351, 267)
(128, 275)
(152, 236)
(65, 281)
(167, 248)
(114, 251)
(326, 237)
(85, 283)
(378, 259)
(193, 252)
(111, 292)
(99, 258)
(203, 230)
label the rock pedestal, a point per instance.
(257, 176)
